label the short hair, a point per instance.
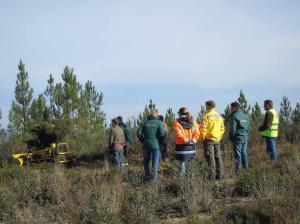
(115, 121)
(210, 103)
(160, 117)
(183, 111)
(120, 118)
(269, 103)
(235, 104)
(153, 113)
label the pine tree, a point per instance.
(1, 130)
(227, 113)
(143, 116)
(170, 118)
(244, 104)
(50, 94)
(201, 113)
(89, 111)
(257, 115)
(39, 110)
(285, 113)
(296, 114)
(19, 114)
(66, 94)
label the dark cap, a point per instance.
(235, 104)
(210, 103)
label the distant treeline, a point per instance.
(72, 112)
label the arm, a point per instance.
(232, 127)
(196, 134)
(160, 131)
(222, 127)
(110, 139)
(267, 122)
(178, 133)
(139, 133)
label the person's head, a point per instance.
(183, 111)
(210, 104)
(234, 106)
(161, 118)
(268, 104)
(153, 113)
(120, 118)
(115, 121)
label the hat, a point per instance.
(210, 103)
(235, 104)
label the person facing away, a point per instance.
(116, 142)
(211, 132)
(269, 129)
(238, 133)
(165, 141)
(186, 136)
(149, 134)
(128, 140)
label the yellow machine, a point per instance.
(57, 152)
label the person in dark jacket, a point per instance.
(165, 141)
(127, 135)
(128, 140)
(149, 134)
(116, 142)
(238, 133)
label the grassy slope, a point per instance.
(94, 192)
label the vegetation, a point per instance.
(91, 190)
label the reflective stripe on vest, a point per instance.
(272, 132)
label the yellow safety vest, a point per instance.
(272, 132)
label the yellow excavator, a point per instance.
(57, 152)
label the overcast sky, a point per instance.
(178, 53)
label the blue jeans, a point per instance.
(118, 157)
(271, 148)
(240, 155)
(153, 155)
(182, 168)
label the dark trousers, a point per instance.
(213, 157)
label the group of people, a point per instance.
(154, 136)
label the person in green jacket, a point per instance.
(150, 134)
(238, 133)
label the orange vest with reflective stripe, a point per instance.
(183, 136)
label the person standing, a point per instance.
(116, 142)
(238, 133)
(211, 132)
(150, 133)
(165, 141)
(186, 137)
(269, 129)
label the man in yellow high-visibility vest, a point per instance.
(269, 129)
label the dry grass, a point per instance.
(267, 193)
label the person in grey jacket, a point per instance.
(116, 142)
